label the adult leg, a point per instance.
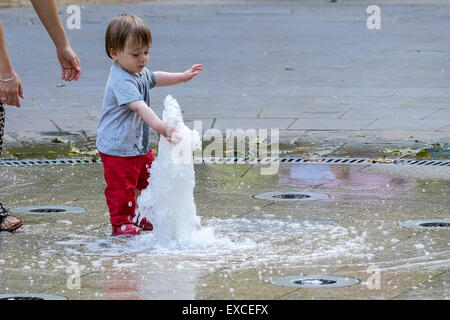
(7, 222)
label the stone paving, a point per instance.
(356, 232)
(309, 69)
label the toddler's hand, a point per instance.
(192, 72)
(173, 136)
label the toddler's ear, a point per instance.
(113, 53)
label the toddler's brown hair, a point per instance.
(127, 27)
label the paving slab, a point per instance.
(390, 113)
(407, 125)
(231, 124)
(440, 114)
(304, 112)
(211, 112)
(336, 125)
(434, 288)
(395, 136)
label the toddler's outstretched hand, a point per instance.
(192, 72)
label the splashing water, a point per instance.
(168, 201)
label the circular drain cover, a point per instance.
(30, 296)
(291, 196)
(314, 281)
(50, 209)
(427, 224)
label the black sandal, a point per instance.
(3, 215)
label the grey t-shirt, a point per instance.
(121, 131)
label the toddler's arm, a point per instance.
(164, 79)
(150, 117)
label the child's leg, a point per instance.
(142, 184)
(137, 194)
(144, 173)
(121, 175)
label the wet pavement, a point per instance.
(312, 70)
(354, 232)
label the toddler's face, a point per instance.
(131, 58)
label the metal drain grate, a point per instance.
(30, 296)
(42, 162)
(291, 196)
(314, 281)
(435, 225)
(234, 160)
(427, 224)
(352, 161)
(48, 209)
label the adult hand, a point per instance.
(192, 72)
(70, 65)
(10, 92)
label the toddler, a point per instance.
(123, 131)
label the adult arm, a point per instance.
(10, 89)
(48, 13)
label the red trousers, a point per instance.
(123, 176)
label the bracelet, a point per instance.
(9, 79)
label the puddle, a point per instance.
(245, 243)
(271, 226)
(244, 232)
(240, 243)
(345, 180)
(309, 174)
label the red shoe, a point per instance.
(145, 224)
(126, 230)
